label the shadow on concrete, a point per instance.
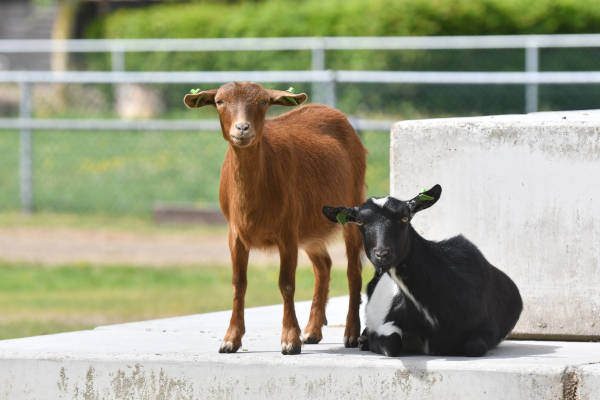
(506, 350)
(514, 349)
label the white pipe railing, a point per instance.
(324, 81)
(467, 78)
(302, 43)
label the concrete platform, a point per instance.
(177, 358)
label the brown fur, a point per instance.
(274, 181)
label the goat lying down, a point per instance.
(427, 297)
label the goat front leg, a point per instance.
(290, 334)
(388, 345)
(239, 259)
(363, 340)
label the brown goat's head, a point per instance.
(242, 107)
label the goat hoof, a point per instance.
(306, 339)
(363, 342)
(312, 340)
(290, 348)
(228, 347)
(350, 341)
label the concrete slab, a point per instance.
(177, 358)
(524, 188)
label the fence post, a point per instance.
(531, 89)
(117, 60)
(26, 150)
(330, 98)
(117, 64)
(317, 63)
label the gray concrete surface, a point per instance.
(526, 190)
(177, 358)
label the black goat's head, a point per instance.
(384, 223)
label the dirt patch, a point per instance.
(52, 246)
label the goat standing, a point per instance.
(276, 176)
(428, 297)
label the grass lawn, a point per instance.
(126, 173)
(35, 299)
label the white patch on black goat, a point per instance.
(431, 320)
(380, 201)
(380, 302)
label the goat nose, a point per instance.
(382, 253)
(242, 127)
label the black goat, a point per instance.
(428, 297)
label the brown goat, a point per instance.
(277, 175)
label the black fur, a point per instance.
(463, 305)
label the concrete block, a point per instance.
(589, 382)
(525, 189)
(176, 358)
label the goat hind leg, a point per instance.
(322, 270)
(478, 343)
(354, 271)
(387, 345)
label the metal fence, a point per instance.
(323, 81)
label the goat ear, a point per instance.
(341, 214)
(283, 98)
(200, 99)
(425, 199)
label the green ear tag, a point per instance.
(291, 99)
(342, 218)
(195, 91)
(423, 196)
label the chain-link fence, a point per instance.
(103, 169)
(124, 172)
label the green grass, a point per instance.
(40, 300)
(378, 163)
(126, 173)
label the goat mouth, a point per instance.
(241, 140)
(381, 265)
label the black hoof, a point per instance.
(311, 340)
(228, 347)
(363, 342)
(289, 349)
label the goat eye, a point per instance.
(264, 102)
(220, 102)
(404, 219)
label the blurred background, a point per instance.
(109, 185)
